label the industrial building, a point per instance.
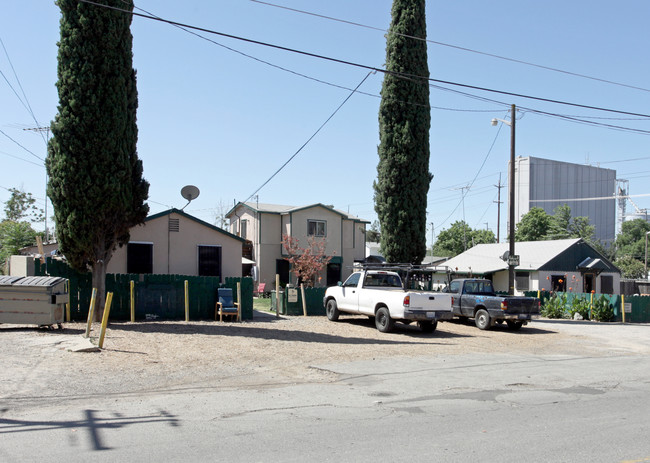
(589, 191)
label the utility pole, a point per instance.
(47, 137)
(462, 189)
(433, 237)
(499, 202)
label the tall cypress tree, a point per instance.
(96, 183)
(403, 176)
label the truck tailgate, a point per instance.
(429, 305)
(523, 305)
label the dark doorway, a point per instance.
(333, 274)
(282, 269)
(589, 282)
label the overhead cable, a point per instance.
(491, 55)
(369, 68)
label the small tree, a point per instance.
(21, 205)
(374, 234)
(533, 226)
(306, 263)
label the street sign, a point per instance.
(513, 260)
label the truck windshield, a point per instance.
(384, 280)
(478, 287)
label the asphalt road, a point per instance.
(452, 408)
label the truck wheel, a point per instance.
(514, 325)
(482, 319)
(427, 326)
(332, 310)
(383, 322)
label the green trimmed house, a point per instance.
(264, 225)
(556, 265)
(174, 242)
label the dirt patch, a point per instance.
(150, 356)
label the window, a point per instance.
(210, 261)
(139, 258)
(607, 284)
(316, 227)
(454, 287)
(382, 279)
(522, 281)
(243, 228)
(353, 280)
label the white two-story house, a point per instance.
(264, 225)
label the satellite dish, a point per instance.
(505, 256)
(189, 192)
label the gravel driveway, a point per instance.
(265, 352)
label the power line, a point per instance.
(492, 55)
(309, 139)
(370, 68)
(30, 152)
(26, 102)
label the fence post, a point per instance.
(91, 312)
(107, 309)
(277, 295)
(187, 302)
(67, 305)
(132, 287)
(623, 306)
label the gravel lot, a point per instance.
(264, 352)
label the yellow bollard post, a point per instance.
(132, 284)
(187, 302)
(591, 304)
(304, 302)
(91, 312)
(107, 309)
(623, 306)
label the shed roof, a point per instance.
(533, 255)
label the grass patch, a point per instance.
(262, 303)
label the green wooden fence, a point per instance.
(640, 305)
(157, 297)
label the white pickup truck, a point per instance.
(381, 294)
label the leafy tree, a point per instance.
(483, 237)
(630, 267)
(559, 224)
(14, 236)
(537, 225)
(96, 183)
(373, 235)
(460, 237)
(306, 263)
(403, 176)
(21, 205)
(533, 226)
(631, 240)
(581, 228)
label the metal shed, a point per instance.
(32, 300)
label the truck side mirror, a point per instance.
(340, 283)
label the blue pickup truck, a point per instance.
(475, 298)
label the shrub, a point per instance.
(579, 305)
(602, 310)
(555, 307)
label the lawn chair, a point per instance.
(260, 290)
(225, 304)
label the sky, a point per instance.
(225, 114)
